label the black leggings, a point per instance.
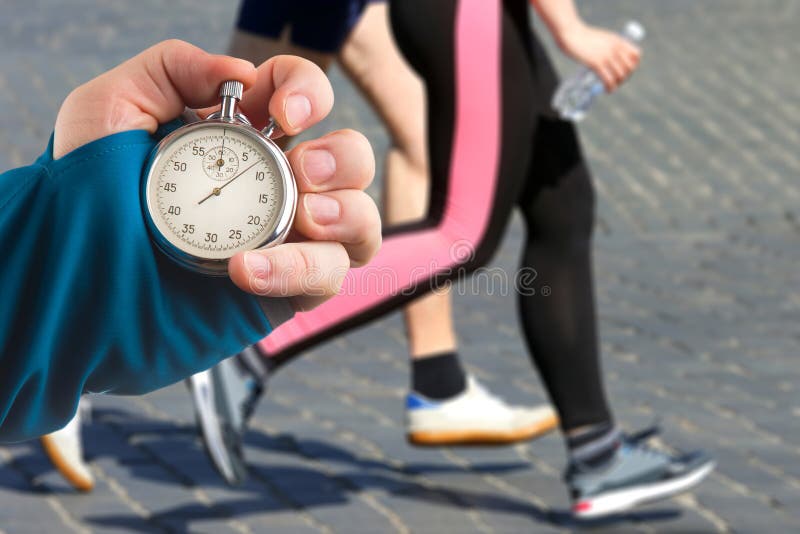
(546, 176)
(541, 170)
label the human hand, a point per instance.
(337, 225)
(611, 56)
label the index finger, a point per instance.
(147, 90)
(292, 90)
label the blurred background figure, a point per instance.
(446, 406)
(541, 170)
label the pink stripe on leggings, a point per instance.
(405, 259)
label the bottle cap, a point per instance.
(634, 31)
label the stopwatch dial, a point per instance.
(220, 163)
(215, 214)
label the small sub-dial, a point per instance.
(220, 163)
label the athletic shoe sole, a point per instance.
(78, 480)
(441, 438)
(622, 500)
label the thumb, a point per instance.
(145, 91)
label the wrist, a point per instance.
(569, 32)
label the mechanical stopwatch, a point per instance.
(217, 187)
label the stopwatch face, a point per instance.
(213, 190)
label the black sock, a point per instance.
(594, 446)
(438, 377)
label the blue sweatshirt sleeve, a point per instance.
(87, 303)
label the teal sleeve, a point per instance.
(87, 304)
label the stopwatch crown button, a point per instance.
(232, 88)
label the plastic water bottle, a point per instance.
(575, 95)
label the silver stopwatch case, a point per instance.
(231, 93)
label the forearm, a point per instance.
(608, 54)
(560, 16)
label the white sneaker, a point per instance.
(475, 416)
(65, 449)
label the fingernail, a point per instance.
(257, 271)
(318, 165)
(297, 109)
(246, 63)
(322, 209)
(257, 265)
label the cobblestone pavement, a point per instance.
(697, 168)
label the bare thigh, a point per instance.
(372, 61)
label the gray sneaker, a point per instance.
(224, 398)
(637, 474)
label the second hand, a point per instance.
(217, 190)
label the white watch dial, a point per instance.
(215, 191)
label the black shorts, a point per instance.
(321, 25)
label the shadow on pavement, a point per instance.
(155, 451)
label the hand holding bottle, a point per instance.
(613, 57)
(608, 60)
